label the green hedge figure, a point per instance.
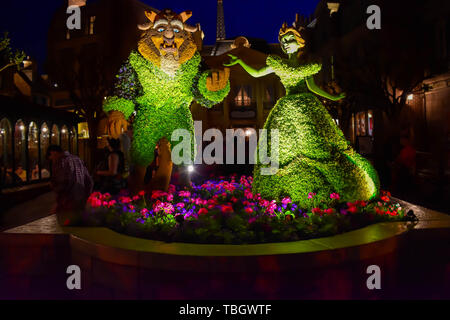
(159, 82)
(314, 156)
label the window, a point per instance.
(269, 97)
(67, 34)
(5, 153)
(370, 122)
(361, 124)
(45, 142)
(33, 151)
(73, 141)
(54, 139)
(91, 24)
(243, 96)
(20, 150)
(65, 138)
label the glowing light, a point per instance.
(410, 97)
(248, 132)
(22, 127)
(190, 168)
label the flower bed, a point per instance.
(226, 211)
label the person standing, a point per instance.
(72, 184)
(112, 180)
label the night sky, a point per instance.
(28, 21)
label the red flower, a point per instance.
(316, 210)
(248, 210)
(329, 211)
(227, 209)
(386, 193)
(385, 198)
(203, 211)
(352, 209)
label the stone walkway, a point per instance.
(28, 211)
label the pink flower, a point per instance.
(335, 196)
(106, 196)
(170, 197)
(311, 195)
(111, 203)
(203, 211)
(180, 205)
(184, 194)
(124, 200)
(264, 203)
(248, 194)
(271, 207)
(248, 210)
(141, 193)
(251, 220)
(94, 202)
(158, 194)
(286, 201)
(171, 188)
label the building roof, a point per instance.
(14, 109)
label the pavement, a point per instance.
(28, 211)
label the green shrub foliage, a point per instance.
(314, 156)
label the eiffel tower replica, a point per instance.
(220, 21)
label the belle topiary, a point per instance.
(159, 82)
(314, 156)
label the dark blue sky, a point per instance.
(27, 21)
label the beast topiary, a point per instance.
(159, 82)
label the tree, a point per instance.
(385, 66)
(8, 57)
(87, 77)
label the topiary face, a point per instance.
(167, 41)
(291, 40)
(289, 43)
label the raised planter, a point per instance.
(107, 245)
(118, 266)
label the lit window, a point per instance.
(243, 96)
(370, 124)
(67, 34)
(91, 24)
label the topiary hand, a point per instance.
(340, 96)
(218, 80)
(233, 61)
(117, 124)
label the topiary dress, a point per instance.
(314, 155)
